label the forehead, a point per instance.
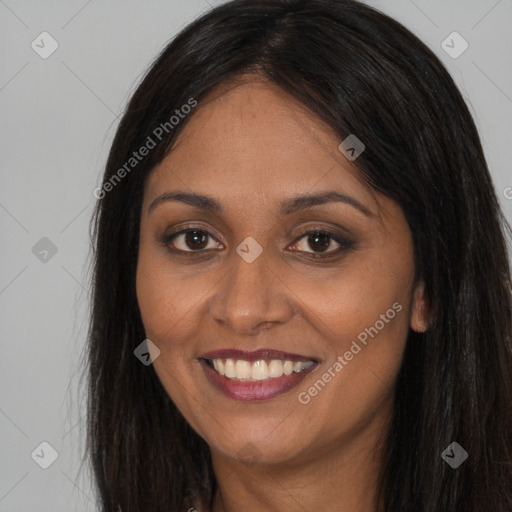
(250, 137)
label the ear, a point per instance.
(419, 309)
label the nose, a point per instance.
(251, 297)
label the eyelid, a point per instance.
(323, 229)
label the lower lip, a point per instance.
(254, 390)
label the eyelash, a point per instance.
(344, 243)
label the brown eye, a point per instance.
(196, 239)
(316, 242)
(320, 241)
(190, 240)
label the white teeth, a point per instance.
(275, 368)
(288, 367)
(229, 369)
(259, 370)
(241, 369)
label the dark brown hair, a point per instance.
(363, 73)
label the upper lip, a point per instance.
(255, 355)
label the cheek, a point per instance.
(354, 299)
(167, 302)
(363, 318)
(168, 306)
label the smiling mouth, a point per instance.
(263, 369)
(256, 375)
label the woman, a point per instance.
(301, 291)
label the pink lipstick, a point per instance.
(255, 375)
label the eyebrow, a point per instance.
(287, 206)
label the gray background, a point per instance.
(59, 115)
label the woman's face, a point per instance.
(291, 257)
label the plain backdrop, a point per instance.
(59, 115)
